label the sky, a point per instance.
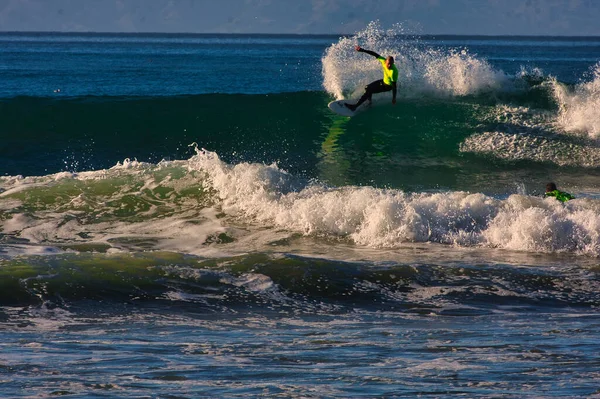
(462, 17)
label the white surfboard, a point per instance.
(339, 108)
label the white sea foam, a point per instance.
(440, 364)
(126, 212)
(532, 135)
(149, 210)
(422, 70)
(528, 224)
(252, 282)
(578, 105)
(387, 218)
(520, 147)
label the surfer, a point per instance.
(390, 78)
(552, 191)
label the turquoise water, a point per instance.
(182, 216)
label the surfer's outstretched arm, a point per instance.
(362, 50)
(394, 89)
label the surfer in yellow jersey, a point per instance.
(389, 81)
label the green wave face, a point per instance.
(464, 143)
(282, 283)
(428, 169)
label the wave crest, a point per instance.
(387, 218)
(578, 105)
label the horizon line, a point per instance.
(282, 34)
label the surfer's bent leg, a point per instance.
(375, 87)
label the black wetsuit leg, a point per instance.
(375, 87)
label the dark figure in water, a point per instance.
(552, 191)
(389, 81)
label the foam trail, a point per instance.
(422, 70)
(522, 133)
(521, 147)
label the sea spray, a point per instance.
(422, 69)
(578, 105)
(528, 224)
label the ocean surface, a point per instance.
(181, 216)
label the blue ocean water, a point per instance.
(181, 216)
